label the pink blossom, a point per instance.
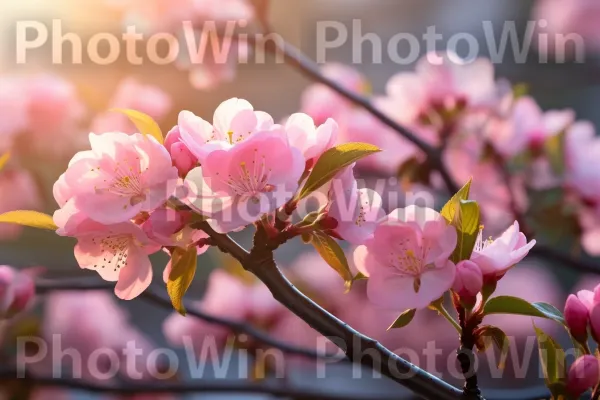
(407, 259)
(310, 139)
(121, 176)
(234, 120)
(527, 126)
(321, 103)
(469, 280)
(577, 316)
(182, 158)
(90, 322)
(582, 150)
(566, 19)
(53, 105)
(14, 117)
(357, 211)
(131, 94)
(236, 186)
(17, 291)
(19, 192)
(583, 374)
(445, 84)
(495, 257)
(119, 253)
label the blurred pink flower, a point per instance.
(571, 20)
(407, 259)
(19, 192)
(131, 94)
(496, 257)
(119, 177)
(54, 107)
(321, 103)
(527, 126)
(233, 121)
(14, 116)
(238, 185)
(436, 87)
(582, 150)
(17, 291)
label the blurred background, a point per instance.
(82, 94)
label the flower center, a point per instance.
(251, 180)
(114, 250)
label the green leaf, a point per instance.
(467, 229)
(552, 357)
(518, 306)
(183, 269)
(33, 219)
(4, 159)
(499, 338)
(554, 150)
(450, 209)
(143, 122)
(333, 255)
(333, 161)
(404, 319)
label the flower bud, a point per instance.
(583, 375)
(595, 321)
(182, 158)
(164, 222)
(468, 280)
(17, 292)
(577, 317)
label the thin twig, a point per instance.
(155, 296)
(198, 386)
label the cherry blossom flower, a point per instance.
(234, 120)
(577, 314)
(356, 211)
(527, 126)
(437, 88)
(582, 150)
(119, 252)
(495, 257)
(407, 259)
(238, 185)
(311, 140)
(567, 19)
(121, 176)
(17, 291)
(14, 116)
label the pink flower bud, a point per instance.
(182, 158)
(17, 291)
(583, 375)
(577, 317)
(163, 223)
(595, 321)
(468, 280)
